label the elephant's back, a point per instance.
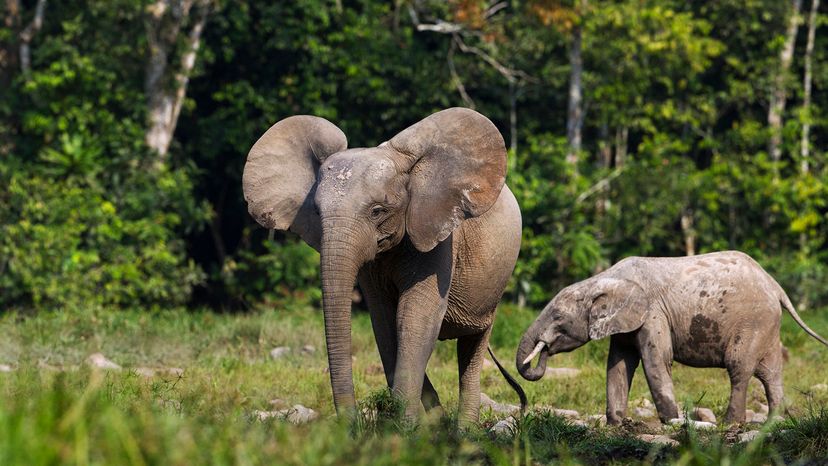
(485, 252)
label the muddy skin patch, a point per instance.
(705, 338)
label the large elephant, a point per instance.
(424, 222)
(713, 310)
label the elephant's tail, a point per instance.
(512, 382)
(786, 303)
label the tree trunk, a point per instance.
(575, 110)
(688, 232)
(27, 34)
(513, 144)
(165, 83)
(621, 136)
(778, 92)
(806, 86)
(9, 52)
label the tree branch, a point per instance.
(29, 33)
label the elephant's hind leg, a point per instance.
(470, 352)
(740, 368)
(769, 372)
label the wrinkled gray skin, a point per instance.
(713, 310)
(425, 224)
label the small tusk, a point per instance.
(538, 348)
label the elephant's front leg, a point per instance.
(621, 364)
(422, 306)
(656, 349)
(382, 305)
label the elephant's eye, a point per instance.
(378, 211)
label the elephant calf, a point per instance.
(713, 310)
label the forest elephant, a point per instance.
(423, 222)
(713, 310)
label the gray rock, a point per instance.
(748, 436)
(567, 413)
(99, 361)
(504, 426)
(308, 349)
(499, 408)
(297, 415)
(679, 422)
(756, 417)
(561, 372)
(820, 387)
(763, 408)
(703, 414)
(597, 419)
(6, 368)
(153, 371)
(659, 439)
(643, 412)
(279, 351)
(644, 403)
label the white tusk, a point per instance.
(538, 348)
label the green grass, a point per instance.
(56, 410)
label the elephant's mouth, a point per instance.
(538, 348)
(525, 368)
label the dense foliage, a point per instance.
(676, 155)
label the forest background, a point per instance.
(634, 127)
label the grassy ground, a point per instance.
(55, 409)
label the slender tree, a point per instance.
(806, 86)
(778, 93)
(166, 80)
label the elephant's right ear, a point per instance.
(616, 306)
(279, 177)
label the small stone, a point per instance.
(6, 368)
(643, 412)
(659, 439)
(578, 422)
(298, 414)
(597, 419)
(644, 403)
(703, 414)
(499, 408)
(763, 408)
(820, 387)
(567, 413)
(278, 403)
(561, 372)
(696, 424)
(748, 436)
(99, 361)
(279, 352)
(757, 417)
(144, 371)
(504, 426)
(308, 349)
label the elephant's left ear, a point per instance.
(616, 306)
(456, 159)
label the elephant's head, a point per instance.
(588, 310)
(352, 204)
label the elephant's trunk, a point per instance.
(527, 344)
(341, 257)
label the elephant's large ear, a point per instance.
(279, 177)
(616, 306)
(456, 159)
